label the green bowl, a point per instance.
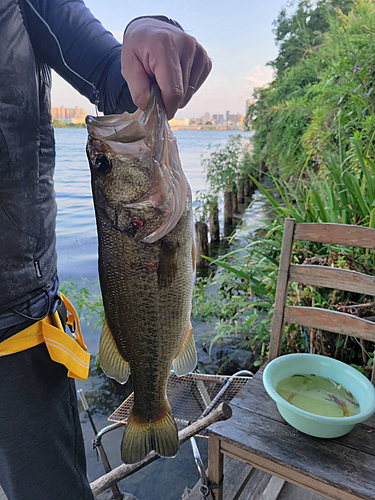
(322, 366)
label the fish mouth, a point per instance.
(115, 129)
(146, 134)
(118, 130)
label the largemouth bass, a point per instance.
(143, 210)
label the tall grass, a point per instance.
(245, 289)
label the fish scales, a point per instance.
(132, 296)
(143, 209)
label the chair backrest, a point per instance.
(323, 276)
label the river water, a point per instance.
(76, 229)
(165, 479)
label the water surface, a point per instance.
(318, 395)
(76, 229)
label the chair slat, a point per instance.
(330, 277)
(282, 289)
(331, 321)
(337, 234)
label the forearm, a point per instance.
(88, 49)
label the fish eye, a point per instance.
(102, 164)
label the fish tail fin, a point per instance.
(140, 437)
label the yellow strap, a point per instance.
(23, 340)
(62, 348)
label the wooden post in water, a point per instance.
(241, 191)
(228, 208)
(235, 202)
(214, 222)
(228, 214)
(201, 241)
(246, 187)
(251, 187)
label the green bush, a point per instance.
(323, 100)
(240, 298)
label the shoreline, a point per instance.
(215, 129)
(59, 124)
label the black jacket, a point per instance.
(27, 150)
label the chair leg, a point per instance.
(215, 467)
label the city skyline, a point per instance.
(75, 115)
(78, 115)
(237, 36)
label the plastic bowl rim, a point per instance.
(360, 417)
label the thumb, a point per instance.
(138, 81)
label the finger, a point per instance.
(199, 72)
(139, 82)
(197, 79)
(188, 59)
(168, 75)
(206, 71)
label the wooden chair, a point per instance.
(341, 468)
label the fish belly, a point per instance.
(147, 291)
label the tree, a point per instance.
(223, 165)
(301, 33)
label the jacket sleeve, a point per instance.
(88, 49)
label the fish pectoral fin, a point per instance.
(142, 437)
(167, 267)
(111, 360)
(186, 359)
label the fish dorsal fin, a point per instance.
(111, 360)
(186, 359)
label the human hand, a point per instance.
(154, 50)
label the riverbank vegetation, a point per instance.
(314, 133)
(62, 124)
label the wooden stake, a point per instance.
(201, 241)
(228, 208)
(222, 412)
(241, 191)
(235, 202)
(214, 223)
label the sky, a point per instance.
(237, 34)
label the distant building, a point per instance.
(179, 123)
(217, 122)
(233, 119)
(205, 118)
(218, 119)
(74, 115)
(195, 121)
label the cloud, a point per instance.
(260, 75)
